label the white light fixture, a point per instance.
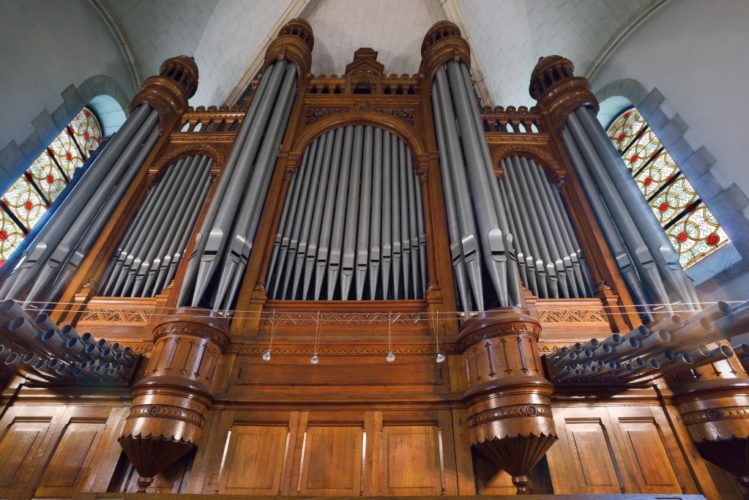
(440, 358)
(315, 359)
(391, 355)
(267, 353)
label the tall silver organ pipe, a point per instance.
(678, 284)
(151, 248)
(651, 267)
(60, 247)
(555, 250)
(473, 198)
(340, 212)
(225, 240)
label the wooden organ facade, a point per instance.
(363, 285)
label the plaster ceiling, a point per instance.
(227, 37)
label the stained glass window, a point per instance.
(87, 131)
(66, 152)
(24, 204)
(690, 225)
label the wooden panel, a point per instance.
(71, 459)
(255, 460)
(589, 455)
(411, 461)
(649, 460)
(17, 448)
(331, 460)
(406, 372)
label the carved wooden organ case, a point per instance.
(364, 285)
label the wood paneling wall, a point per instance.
(57, 450)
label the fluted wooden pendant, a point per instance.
(152, 454)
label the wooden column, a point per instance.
(508, 398)
(170, 403)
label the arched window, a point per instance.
(24, 204)
(690, 225)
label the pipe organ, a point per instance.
(364, 285)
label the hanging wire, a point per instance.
(273, 324)
(391, 355)
(315, 359)
(440, 358)
(413, 317)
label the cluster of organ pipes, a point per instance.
(225, 240)
(153, 244)
(674, 344)
(353, 215)
(39, 351)
(547, 250)
(477, 221)
(645, 257)
(49, 262)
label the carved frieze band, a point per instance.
(716, 414)
(167, 411)
(314, 114)
(128, 316)
(405, 115)
(505, 412)
(192, 329)
(572, 316)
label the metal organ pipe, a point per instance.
(147, 257)
(664, 255)
(375, 252)
(542, 229)
(310, 263)
(608, 228)
(454, 173)
(142, 231)
(395, 216)
(307, 213)
(245, 226)
(490, 235)
(218, 242)
(365, 212)
(479, 201)
(352, 214)
(326, 228)
(356, 175)
(223, 184)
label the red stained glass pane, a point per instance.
(47, 177)
(696, 236)
(25, 203)
(673, 200)
(656, 174)
(641, 151)
(86, 130)
(10, 236)
(625, 128)
(66, 154)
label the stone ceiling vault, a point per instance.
(228, 37)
